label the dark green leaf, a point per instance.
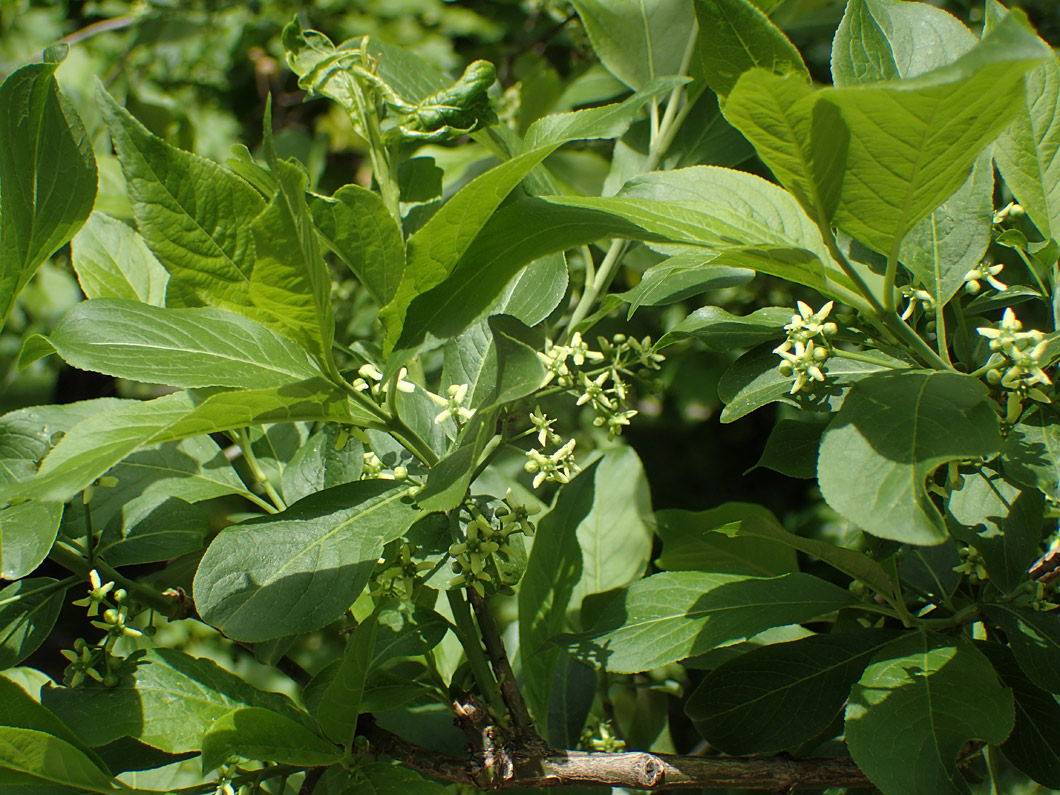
(1031, 454)
(690, 542)
(47, 176)
(28, 611)
(892, 432)
(920, 700)
(777, 697)
(258, 733)
(153, 528)
(1035, 641)
(341, 701)
(519, 368)
(792, 448)
(329, 457)
(383, 778)
(300, 569)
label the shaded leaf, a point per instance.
(691, 543)
(32, 758)
(258, 733)
(341, 701)
(28, 611)
(1035, 641)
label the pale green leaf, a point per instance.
(112, 260)
(195, 215)
(34, 758)
(47, 175)
(920, 700)
(298, 570)
(261, 734)
(892, 432)
(638, 40)
(178, 347)
(673, 615)
(734, 37)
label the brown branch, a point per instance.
(502, 669)
(637, 770)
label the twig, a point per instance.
(635, 770)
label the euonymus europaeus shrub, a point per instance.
(433, 539)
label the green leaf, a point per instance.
(383, 778)
(1035, 641)
(27, 532)
(32, 758)
(886, 40)
(792, 449)
(1026, 150)
(261, 734)
(1003, 523)
(720, 331)
(892, 432)
(300, 569)
(734, 37)
(28, 611)
(195, 215)
(777, 697)
(673, 615)
(519, 368)
(605, 121)
(637, 40)
(900, 165)
(112, 260)
(436, 248)
(1033, 747)
(802, 141)
(47, 176)
(93, 446)
(679, 277)
(915, 702)
(153, 528)
(20, 710)
(747, 520)
(594, 539)
(341, 701)
(533, 293)
(356, 225)
(1031, 454)
(167, 702)
(178, 347)
(329, 457)
(290, 283)
(691, 543)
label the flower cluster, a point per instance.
(971, 565)
(399, 574)
(1017, 357)
(476, 558)
(985, 272)
(807, 347)
(603, 739)
(914, 296)
(555, 467)
(453, 405)
(371, 380)
(87, 661)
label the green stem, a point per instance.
(888, 280)
(69, 557)
(940, 334)
(854, 356)
(913, 341)
(966, 615)
(844, 264)
(467, 634)
(241, 438)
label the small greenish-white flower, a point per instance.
(115, 623)
(557, 467)
(516, 516)
(579, 352)
(1010, 210)
(1008, 332)
(806, 323)
(97, 593)
(372, 379)
(543, 425)
(916, 296)
(984, 272)
(593, 390)
(644, 353)
(554, 357)
(453, 405)
(373, 466)
(804, 362)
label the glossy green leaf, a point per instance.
(682, 276)
(637, 40)
(290, 286)
(606, 121)
(178, 347)
(47, 175)
(1031, 454)
(1026, 151)
(153, 528)
(341, 701)
(594, 539)
(27, 532)
(92, 447)
(915, 702)
(258, 733)
(356, 225)
(734, 37)
(34, 758)
(900, 165)
(195, 215)
(300, 569)
(720, 331)
(886, 40)
(168, 702)
(28, 611)
(1035, 641)
(779, 696)
(690, 542)
(1003, 523)
(1033, 747)
(673, 615)
(892, 432)
(329, 457)
(803, 142)
(112, 260)
(436, 248)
